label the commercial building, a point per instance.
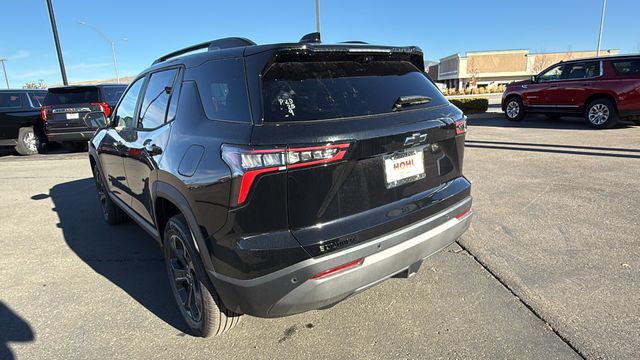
(492, 68)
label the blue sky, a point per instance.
(153, 28)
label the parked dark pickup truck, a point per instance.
(20, 120)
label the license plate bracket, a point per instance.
(404, 167)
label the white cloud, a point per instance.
(54, 71)
(21, 54)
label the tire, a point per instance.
(513, 109)
(205, 314)
(111, 213)
(601, 114)
(28, 142)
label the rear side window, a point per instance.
(112, 94)
(156, 99)
(223, 89)
(10, 100)
(584, 70)
(37, 99)
(627, 67)
(300, 91)
(71, 96)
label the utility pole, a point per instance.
(318, 16)
(110, 41)
(604, 6)
(6, 78)
(54, 28)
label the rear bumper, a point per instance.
(71, 135)
(292, 290)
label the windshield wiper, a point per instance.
(410, 100)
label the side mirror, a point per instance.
(533, 79)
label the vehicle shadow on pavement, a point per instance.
(123, 254)
(12, 329)
(539, 122)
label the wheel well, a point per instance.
(600, 96)
(509, 97)
(164, 210)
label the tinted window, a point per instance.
(10, 100)
(299, 91)
(123, 117)
(156, 98)
(71, 96)
(37, 99)
(112, 94)
(552, 74)
(627, 67)
(581, 70)
(223, 89)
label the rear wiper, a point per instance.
(410, 100)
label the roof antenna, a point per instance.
(311, 38)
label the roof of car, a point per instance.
(606, 57)
(24, 90)
(79, 87)
(239, 47)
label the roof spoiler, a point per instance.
(313, 37)
(219, 44)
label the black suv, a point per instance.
(20, 121)
(284, 178)
(72, 114)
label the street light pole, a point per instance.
(318, 16)
(111, 42)
(604, 6)
(6, 78)
(54, 28)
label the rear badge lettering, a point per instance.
(335, 244)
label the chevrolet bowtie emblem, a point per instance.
(415, 139)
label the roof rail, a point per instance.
(313, 37)
(219, 44)
(355, 42)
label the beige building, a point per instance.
(492, 68)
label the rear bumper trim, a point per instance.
(83, 135)
(291, 290)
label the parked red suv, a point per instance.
(603, 90)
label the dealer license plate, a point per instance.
(404, 167)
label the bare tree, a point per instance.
(35, 85)
(540, 62)
(472, 68)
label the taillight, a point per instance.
(461, 126)
(106, 109)
(338, 269)
(43, 112)
(248, 163)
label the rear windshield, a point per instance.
(627, 67)
(301, 91)
(112, 94)
(72, 96)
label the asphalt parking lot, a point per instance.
(549, 269)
